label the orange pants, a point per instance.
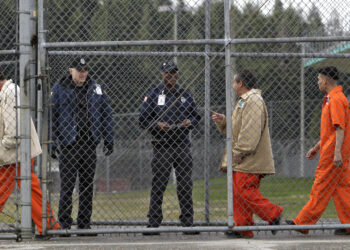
(247, 200)
(330, 182)
(7, 183)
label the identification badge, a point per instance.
(98, 89)
(161, 99)
(241, 104)
(183, 99)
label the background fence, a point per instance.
(124, 42)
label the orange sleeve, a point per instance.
(337, 112)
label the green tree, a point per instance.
(315, 24)
(334, 26)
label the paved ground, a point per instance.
(263, 240)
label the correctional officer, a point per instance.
(169, 113)
(81, 118)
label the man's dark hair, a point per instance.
(2, 76)
(331, 72)
(247, 78)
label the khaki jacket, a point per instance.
(8, 143)
(250, 135)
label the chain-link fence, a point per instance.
(129, 148)
(9, 217)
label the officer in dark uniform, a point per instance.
(169, 113)
(81, 118)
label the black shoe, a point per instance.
(290, 222)
(86, 234)
(341, 231)
(276, 222)
(64, 235)
(191, 233)
(151, 233)
(42, 237)
(236, 235)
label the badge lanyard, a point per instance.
(161, 99)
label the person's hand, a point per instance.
(164, 126)
(217, 118)
(186, 123)
(312, 153)
(338, 162)
(54, 152)
(237, 159)
(108, 148)
(223, 169)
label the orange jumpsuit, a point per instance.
(247, 200)
(7, 183)
(330, 181)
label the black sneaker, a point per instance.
(42, 237)
(276, 222)
(151, 233)
(341, 231)
(64, 235)
(86, 234)
(191, 233)
(290, 222)
(236, 235)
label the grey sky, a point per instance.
(326, 7)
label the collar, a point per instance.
(162, 87)
(68, 82)
(249, 93)
(7, 83)
(334, 91)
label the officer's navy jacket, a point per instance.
(179, 105)
(65, 111)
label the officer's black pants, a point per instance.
(78, 159)
(177, 155)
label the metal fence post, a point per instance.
(207, 114)
(302, 114)
(25, 51)
(43, 113)
(228, 112)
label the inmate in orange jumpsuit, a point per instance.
(7, 183)
(330, 181)
(247, 200)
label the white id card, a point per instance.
(161, 100)
(98, 89)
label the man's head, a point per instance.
(79, 71)
(327, 78)
(169, 74)
(243, 81)
(2, 78)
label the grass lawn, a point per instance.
(291, 193)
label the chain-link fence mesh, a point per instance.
(122, 103)
(123, 181)
(8, 70)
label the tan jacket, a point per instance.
(250, 135)
(8, 143)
